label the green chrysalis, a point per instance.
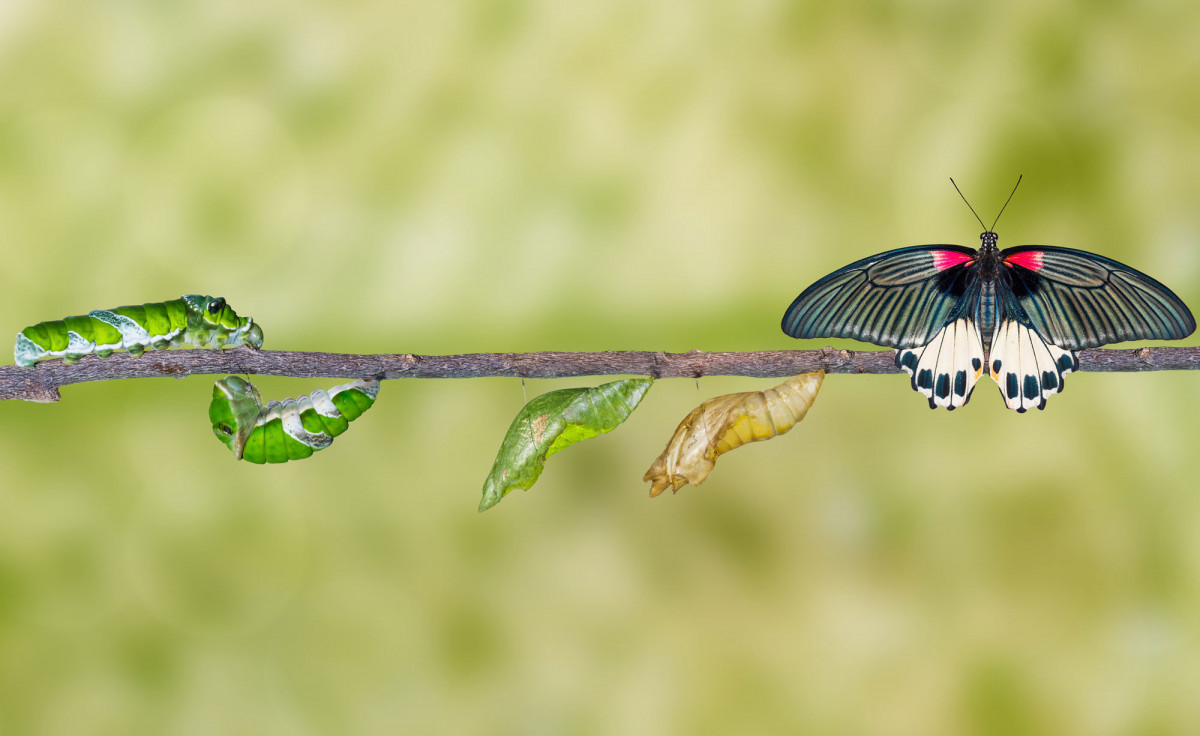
(555, 421)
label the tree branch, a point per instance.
(41, 383)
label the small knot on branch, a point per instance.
(833, 357)
(655, 370)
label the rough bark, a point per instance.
(41, 383)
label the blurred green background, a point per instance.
(589, 175)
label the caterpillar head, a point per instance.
(235, 406)
(214, 313)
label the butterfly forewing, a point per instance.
(901, 298)
(1077, 299)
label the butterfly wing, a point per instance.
(1077, 299)
(1027, 368)
(946, 368)
(901, 298)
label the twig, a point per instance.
(41, 383)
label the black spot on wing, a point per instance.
(1050, 380)
(960, 382)
(925, 379)
(943, 385)
(1031, 387)
(976, 364)
(1012, 389)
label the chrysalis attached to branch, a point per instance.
(555, 421)
(292, 429)
(190, 321)
(727, 422)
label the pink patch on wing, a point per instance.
(1031, 259)
(943, 259)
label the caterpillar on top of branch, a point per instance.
(189, 321)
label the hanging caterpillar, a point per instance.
(292, 429)
(192, 321)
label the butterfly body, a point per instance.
(1019, 314)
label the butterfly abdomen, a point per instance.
(985, 312)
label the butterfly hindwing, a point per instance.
(901, 298)
(1077, 299)
(1026, 367)
(946, 368)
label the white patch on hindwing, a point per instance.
(1025, 367)
(946, 368)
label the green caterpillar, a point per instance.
(292, 429)
(192, 320)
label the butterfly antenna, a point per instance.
(964, 198)
(1010, 196)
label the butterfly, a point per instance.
(1020, 313)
